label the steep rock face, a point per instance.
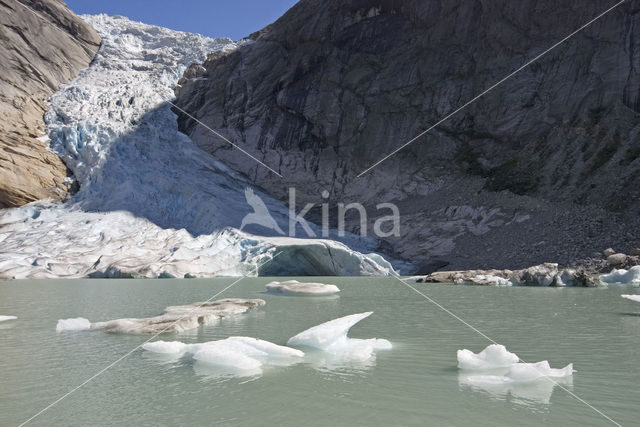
(521, 176)
(42, 44)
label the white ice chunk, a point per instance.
(165, 347)
(491, 280)
(631, 276)
(75, 324)
(223, 356)
(181, 317)
(5, 318)
(494, 356)
(236, 353)
(631, 297)
(332, 337)
(293, 287)
(521, 373)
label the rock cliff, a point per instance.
(42, 44)
(545, 167)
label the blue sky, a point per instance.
(214, 18)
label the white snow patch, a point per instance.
(631, 276)
(331, 337)
(75, 324)
(293, 287)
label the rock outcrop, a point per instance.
(519, 177)
(42, 44)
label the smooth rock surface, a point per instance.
(333, 86)
(42, 45)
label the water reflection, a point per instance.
(527, 394)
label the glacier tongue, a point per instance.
(152, 204)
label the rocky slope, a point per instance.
(546, 167)
(42, 44)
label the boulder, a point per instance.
(616, 259)
(608, 252)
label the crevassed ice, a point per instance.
(331, 337)
(631, 276)
(493, 356)
(151, 203)
(293, 287)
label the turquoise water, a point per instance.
(416, 383)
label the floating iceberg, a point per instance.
(293, 287)
(493, 356)
(175, 318)
(631, 276)
(631, 297)
(5, 318)
(331, 337)
(76, 324)
(237, 356)
(521, 373)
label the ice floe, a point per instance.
(5, 318)
(524, 373)
(631, 297)
(631, 276)
(331, 337)
(293, 287)
(493, 356)
(174, 319)
(75, 324)
(233, 356)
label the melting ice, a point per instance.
(174, 319)
(5, 318)
(293, 287)
(631, 276)
(331, 337)
(494, 356)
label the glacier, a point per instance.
(150, 202)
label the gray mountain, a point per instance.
(545, 167)
(42, 44)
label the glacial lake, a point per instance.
(415, 383)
